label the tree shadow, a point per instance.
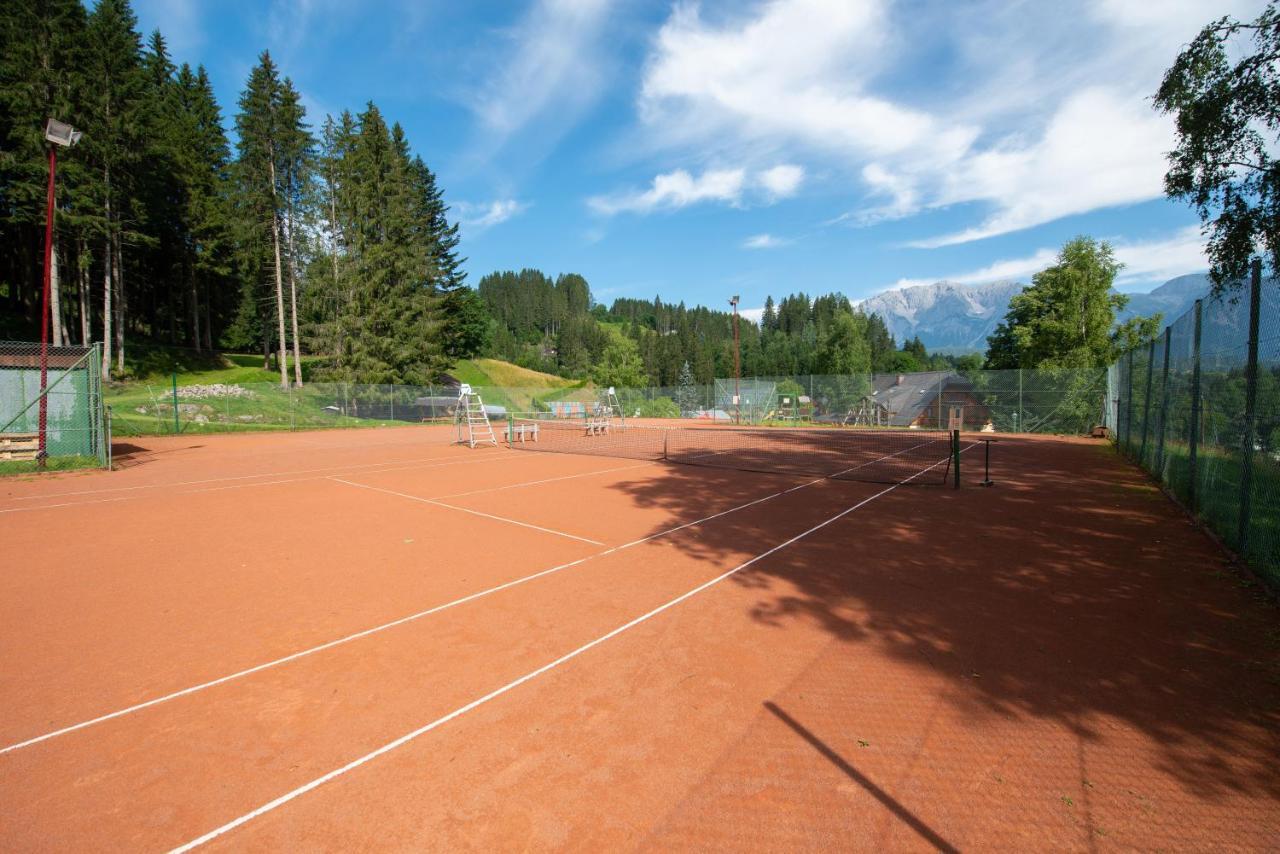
(1071, 591)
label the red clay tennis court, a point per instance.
(379, 639)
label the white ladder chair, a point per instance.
(472, 421)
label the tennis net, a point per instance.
(878, 456)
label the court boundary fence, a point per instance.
(1198, 408)
(61, 386)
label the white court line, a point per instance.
(532, 674)
(226, 479)
(402, 620)
(535, 482)
(426, 463)
(432, 501)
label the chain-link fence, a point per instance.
(51, 408)
(1199, 408)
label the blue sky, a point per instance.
(698, 150)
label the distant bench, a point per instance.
(521, 432)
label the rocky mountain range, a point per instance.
(954, 318)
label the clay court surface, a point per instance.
(380, 640)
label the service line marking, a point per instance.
(235, 477)
(239, 674)
(425, 462)
(482, 514)
(532, 674)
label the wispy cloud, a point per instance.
(1061, 125)
(765, 241)
(551, 60)
(1145, 261)
(479, 216)
(781, 181)
(678, 189)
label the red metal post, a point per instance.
(44, 309)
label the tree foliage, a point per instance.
(1227, 115)
(1066, 319)
(165, 236)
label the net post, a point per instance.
(1250, 407)
(1194, 439)
(955, 456)
(1164, 403)
(511, 430)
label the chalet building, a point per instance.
(935, 400)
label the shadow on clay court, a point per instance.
(908, 818)
(1070, 591)
(126, 455)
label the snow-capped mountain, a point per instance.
(946, 316)
(952, 318)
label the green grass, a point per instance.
(145, 406)
(1218, 479)
(66, 463)
(504, 384)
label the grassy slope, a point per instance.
(273, 409)
(504, 384)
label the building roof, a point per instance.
(906, 396)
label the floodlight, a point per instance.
(61, 133)
(733, 300)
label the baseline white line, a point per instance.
(383, 627)
(226, 479)
(533, 674)
(403, 620)
(425, 463)
(435, 503)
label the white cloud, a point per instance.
(477, 217)
(764, 241)
(795, 71)
(1145, 261)
(752, 314)
(551, 62)
(680, 188)
(781, 181)
(1072, 168)
(1161, 260)
(1026, 112)
(675, 190)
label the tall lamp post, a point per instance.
(57, 134)
(737, 364)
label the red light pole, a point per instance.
(737, 364)
(57, 134)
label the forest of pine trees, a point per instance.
(554, 325)
(331, 240)
(165, 234)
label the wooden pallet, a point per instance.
(19, 446)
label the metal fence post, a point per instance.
(1194, 439)
(1128, 404)
(1250, 406)
(1017, 422)
(1146, 403)
(176, 427)
(1164, 402)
